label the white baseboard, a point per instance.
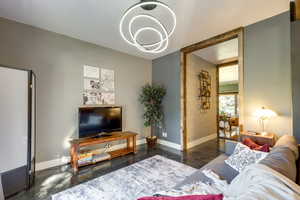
(169, 144)
(66, 159)
(52, 163)
(201, 140)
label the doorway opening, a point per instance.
(212, 89)
(228, 98)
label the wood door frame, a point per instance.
(297, 9)
(236, 33)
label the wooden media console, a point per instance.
(76, 144)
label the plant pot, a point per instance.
(151, 141)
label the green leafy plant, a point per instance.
(151, 98)
(223, 116)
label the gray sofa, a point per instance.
(282, 158)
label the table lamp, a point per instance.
(264, 114)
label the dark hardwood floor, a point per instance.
(51, 181)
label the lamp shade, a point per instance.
(264, 114)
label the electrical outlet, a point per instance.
(165, 134)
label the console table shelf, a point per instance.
(76, 144)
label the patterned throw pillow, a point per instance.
(243, 156)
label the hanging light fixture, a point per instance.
(161, 31)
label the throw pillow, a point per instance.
(252, 145)
(263, 148)
(243, 156)
(189, 197)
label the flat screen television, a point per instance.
(95, 121)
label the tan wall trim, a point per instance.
(297, 7)
(241, 77)
(183, 101)
(212, 41)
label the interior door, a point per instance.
(14, 126)
(13, 118)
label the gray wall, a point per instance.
(166, 71)
(267, 72)
(200, 123)
(267, 77)
(58, 63)
(296, 77)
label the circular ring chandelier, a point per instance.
(161, 32)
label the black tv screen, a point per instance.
(97, 120)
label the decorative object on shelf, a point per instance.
(85, 157)
(151, 98)
(99, 86)
(263, 115)
(205, 90)
(132, 35)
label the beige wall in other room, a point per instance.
(58, 63)
(200, 124)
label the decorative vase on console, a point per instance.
(151, 98)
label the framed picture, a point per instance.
(99, 86)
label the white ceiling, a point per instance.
(97, 21)
(215, 54)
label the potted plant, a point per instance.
(151, 98)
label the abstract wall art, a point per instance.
(99, 86)
(205, 90)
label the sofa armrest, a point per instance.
(229, 147)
